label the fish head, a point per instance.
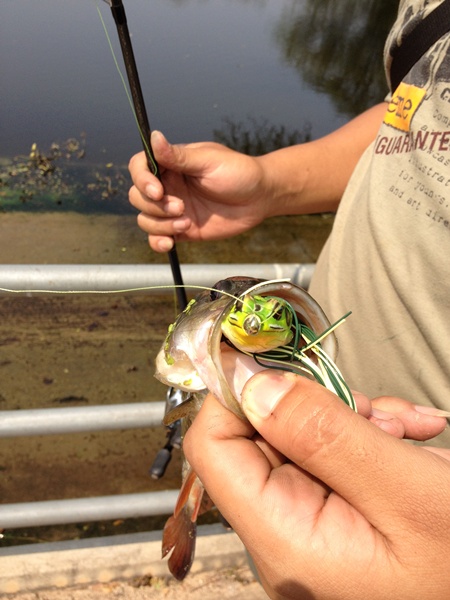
(196, 354)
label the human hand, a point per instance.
(329, 505)
(402, 418)
(207, 192)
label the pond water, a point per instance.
(250, 73)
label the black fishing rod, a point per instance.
(174, 396)
(120, 19)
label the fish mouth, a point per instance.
(238, 368)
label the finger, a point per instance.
(402, 418)
(387, 422)
(144, 181)
(163, 226)
(363, 404)
(442, 452)
(161, 231)
(419, 422)
(273, 456)
(318, 432)
(384, 420)
(218, 446)
(168, 206)
(161, 244)
(233, 467)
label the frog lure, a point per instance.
(227, 334)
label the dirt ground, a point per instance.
(230, 584)
(89, 350)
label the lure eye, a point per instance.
(251, 325)
(283, 315)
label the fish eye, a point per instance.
(224, 285)
(238, 306)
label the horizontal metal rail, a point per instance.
(31, 279)
(80, 419)
(110, 278)
(84, 510)
(46, 421)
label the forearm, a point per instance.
(311, 177)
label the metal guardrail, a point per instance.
(48, 421)
(83, 510)
(101, 278)
(82, 419)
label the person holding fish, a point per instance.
(331, 503)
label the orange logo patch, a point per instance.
(405, 101)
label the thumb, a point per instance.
(181, 158)
(317, 431)
(162, 149)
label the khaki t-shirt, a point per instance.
(388, 257)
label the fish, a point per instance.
(224, 336)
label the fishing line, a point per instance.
(139, 289)
(325, 333)
(127, 92)
(120, 291)
(255, 287)
(289, 357)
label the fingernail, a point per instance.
(156, 135)
(151, 190)
(264, 391)
(165, 244)
(431, 411)
(180, 225)
(174, 209)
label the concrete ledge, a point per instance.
(80, 562)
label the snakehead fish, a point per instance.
(223, 337)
